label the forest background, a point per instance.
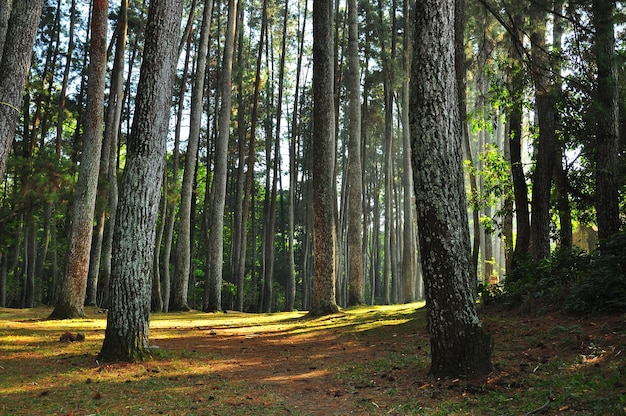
(543, 104)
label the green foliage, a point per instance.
(496, 184)
(603, 286)
(580, 282)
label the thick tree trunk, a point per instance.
(607, 113)
(5, 11)
(17, 53)
(126, 336)
(323, 148)
(70, 303)
(545, 144)
(459, 344)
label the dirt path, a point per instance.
(297, 367)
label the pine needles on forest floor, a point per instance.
(362, 361)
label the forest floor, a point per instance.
(362, 361)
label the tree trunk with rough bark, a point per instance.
(70, 303)
(545, 144)
(607, 113)
(459, 344)
(16, 56)
(323, 148)
(128, 319)
(356, 293)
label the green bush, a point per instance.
(603, 286)
(573, 279)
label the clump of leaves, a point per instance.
(580, 282)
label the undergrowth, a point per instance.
(570, 279)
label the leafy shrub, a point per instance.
(573, 279)
(603, 286)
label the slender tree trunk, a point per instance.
(213, 286)
(180, 287)
(126, 336)
(74, 282)
(459, 344)
(356, 294)
(66, 77)
(108, 164)
(293, 174)
(409, 259)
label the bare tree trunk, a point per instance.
(356, 294)
(126, 336)
(545, 145)
(323, 148)
(74, 283)
(409, 259)
(180, 285)
(607, 137)
(5, 12)
(293, 174)
(213, 287)
(459, 344)
(16, 56)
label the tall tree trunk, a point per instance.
(16, 56)
(323, 148)
(111, 137)
(516, 78)
(560, 173)
(113, 118)
(180, 286)
(459, 344)
(236, 261)
(356, 294)
(172, 190)
(74, 282)
(213, 286)
(240, 267)
(126, 336)
(607, 116)
(545, 144)
(66, 78)
(409, 259)
(293, 173)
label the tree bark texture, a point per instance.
(70, 303)
(126, 336)
(607, 112)
(459, 344)
(356, 293)
(16, 56)
(545, 144)
(323, 149)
